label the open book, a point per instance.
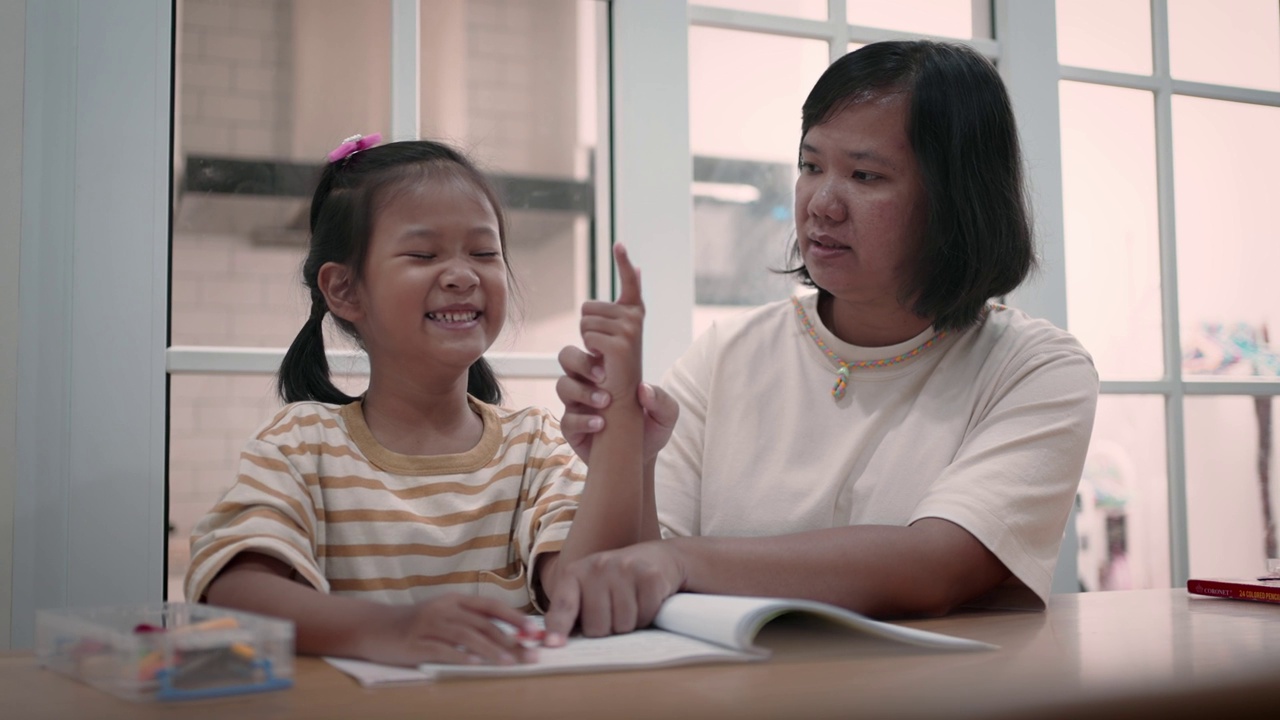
(689, 628)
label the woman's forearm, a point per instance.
(927, 568)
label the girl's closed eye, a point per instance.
(865, 176)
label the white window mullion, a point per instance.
(1229, 93)
(653, 169)
(837, 14)
(1175, 442)
(759, 22)
(1027, 31)
(1028, 53)
(406, 70)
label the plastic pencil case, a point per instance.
(167, 651)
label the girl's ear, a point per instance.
(338, 285)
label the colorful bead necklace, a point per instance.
(842, 375)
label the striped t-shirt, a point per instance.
(316, 491)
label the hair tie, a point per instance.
(353, 145)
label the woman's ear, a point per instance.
(340, 290)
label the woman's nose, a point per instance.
(826, 203)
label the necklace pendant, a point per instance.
(842, 382)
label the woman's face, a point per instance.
(860, 203)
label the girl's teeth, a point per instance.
(454, 317)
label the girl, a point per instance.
(398, 526)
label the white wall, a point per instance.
(12, 35)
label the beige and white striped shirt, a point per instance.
(317, 492)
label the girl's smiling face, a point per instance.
(433, 296)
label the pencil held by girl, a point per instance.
(408, 524)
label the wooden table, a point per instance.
(1137, 654)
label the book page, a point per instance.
(734, 621)
(642, 648)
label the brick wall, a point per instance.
(234, 87)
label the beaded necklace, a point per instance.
(842, 375)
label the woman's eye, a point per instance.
(488, 254)
(860, 175)
(808, 167)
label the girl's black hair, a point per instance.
(977, 242)
(342, 211)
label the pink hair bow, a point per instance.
(353, 144)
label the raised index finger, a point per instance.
(628, 277)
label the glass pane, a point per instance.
(254, 111)
(1224, 159)
(1231, 486)
(513, 83)
(1122, 510)
(948, 18)
(1105, 34)
(745, 93)
(811, 9)
(1229, 43)
(521, 94)
(1112, 227)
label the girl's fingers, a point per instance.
(607, 326)
(580, 424)
(494, 609)
(577, 395)
(599, 308)
(478, 641)
(580, 364)
(456, 654)
(628, 277)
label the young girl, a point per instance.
(398, 526)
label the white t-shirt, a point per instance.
(988, 429)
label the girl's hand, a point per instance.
(612, 332)
(609, 370)
(457, 629)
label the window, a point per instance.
(1168, 116)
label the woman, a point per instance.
(887, 440)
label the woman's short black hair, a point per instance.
(346, 198)
(977, 241)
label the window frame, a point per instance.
(1173, 387)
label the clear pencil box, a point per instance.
(167, 651)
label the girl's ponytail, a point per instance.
(304, 372)
(482, 382)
